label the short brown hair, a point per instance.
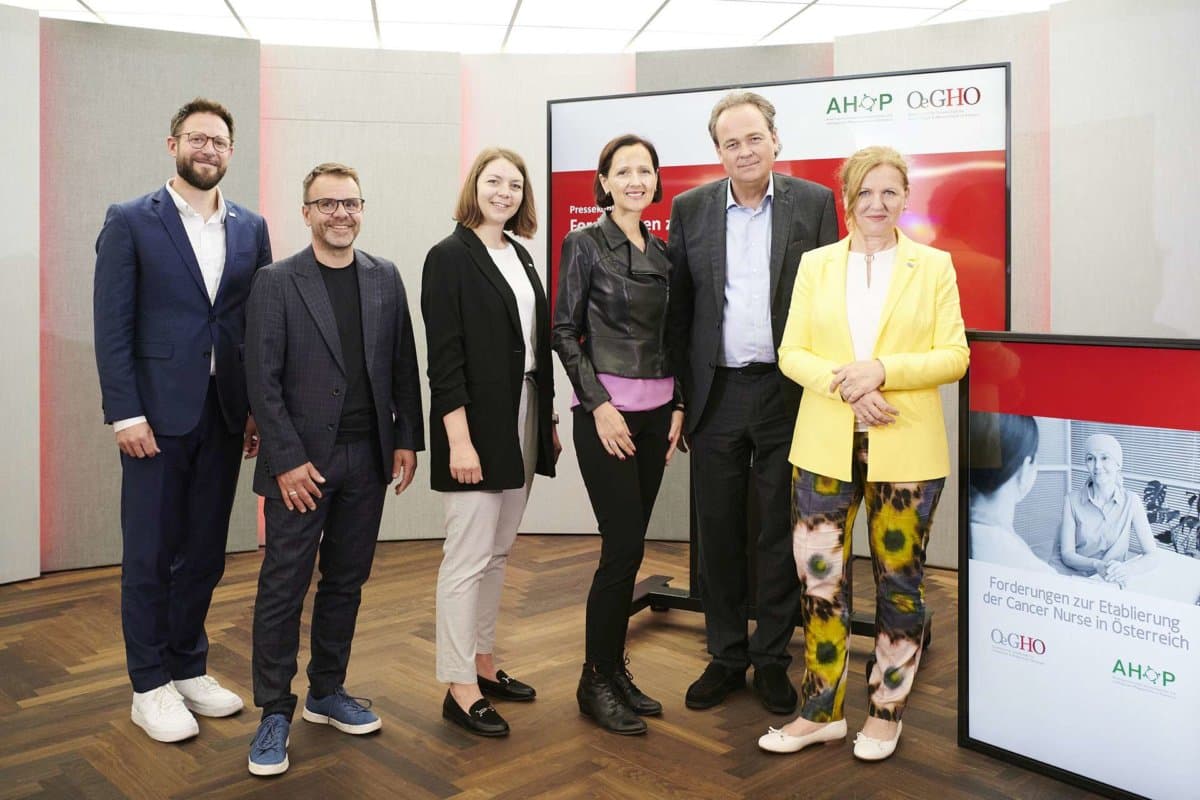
(330, 168)
(741, 97)
(201, 105)
(854, 171)
(467, 210)
(603, 198)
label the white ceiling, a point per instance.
(529, 26)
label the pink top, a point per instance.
(635, 394)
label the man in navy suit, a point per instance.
(173, 271)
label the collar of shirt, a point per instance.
(731, 203)
(187, 210)
(1105, 506)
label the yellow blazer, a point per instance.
(921, 343)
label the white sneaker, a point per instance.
(206, 697)
(161, 714)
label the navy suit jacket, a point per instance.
(155, 327)
(296, 374)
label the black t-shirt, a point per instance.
(358, 412)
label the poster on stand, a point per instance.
(952, 125)
(1079, 582)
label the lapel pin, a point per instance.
(911, 263)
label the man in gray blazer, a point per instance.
(735, 245)
(332, 374)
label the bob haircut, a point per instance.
(1000, 443)
(854, 171)
(604, 199)
(467, 210)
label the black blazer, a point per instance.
(476, 352)
(802, 218)
(294, 368)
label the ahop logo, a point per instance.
(858, 104)
(1019, 642)
(1143, 672)
(944, 98)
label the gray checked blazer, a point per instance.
(294, 370)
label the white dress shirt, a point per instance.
(207, 237)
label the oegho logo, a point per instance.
(1144, 673)
(859, 104)
(944, 98)
(1019, 642)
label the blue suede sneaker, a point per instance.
(346, 713)
(268, 751)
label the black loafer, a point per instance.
(714, 686)
(506, 688)
(773, 688)
(481, 720)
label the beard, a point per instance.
(186, 169)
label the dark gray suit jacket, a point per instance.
(802, 218)
(294, 370)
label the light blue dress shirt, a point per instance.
(746, 331)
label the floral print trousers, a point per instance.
(899, 516)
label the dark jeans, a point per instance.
(622, 495)
(174, 524)
(348, 515)
(745, 434)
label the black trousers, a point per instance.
(622, 495)
(745, 433)
(342, 531)
(174, 524)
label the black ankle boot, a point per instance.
(641, 703)
(600, 701)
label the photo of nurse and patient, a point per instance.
(1065, 496)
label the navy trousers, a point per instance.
(174, 524)
(342, 531)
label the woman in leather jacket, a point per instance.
(609, 331)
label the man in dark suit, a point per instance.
(735, 245)
(333, 379)
(173, 270)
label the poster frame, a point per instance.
(964, 459)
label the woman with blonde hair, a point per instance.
(874, 329)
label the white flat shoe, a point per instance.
(776, 741)
(868, 749)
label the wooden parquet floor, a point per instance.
(65, 730)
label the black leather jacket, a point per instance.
(608, 317)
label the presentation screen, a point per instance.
(1079, 572)
(952, 125)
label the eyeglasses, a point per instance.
(198, 140)
(328, 205)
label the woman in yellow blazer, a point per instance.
(874, 329)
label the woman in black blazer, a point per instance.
(490, 420)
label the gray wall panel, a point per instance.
(1125, 107)
(395, 117)
(108, 96)
(689, 69)
(19, 347)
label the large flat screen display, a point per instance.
(1079, 579)
(951, 124)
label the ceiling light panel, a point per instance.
(625, 15)
(312, 32)
(454, 12)
(48, 5)
(650, 41)
(442, 37)
(530, 39)
(359, 10)
(930, 5)
(209, 17)
(732, 18)
(822, 23)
